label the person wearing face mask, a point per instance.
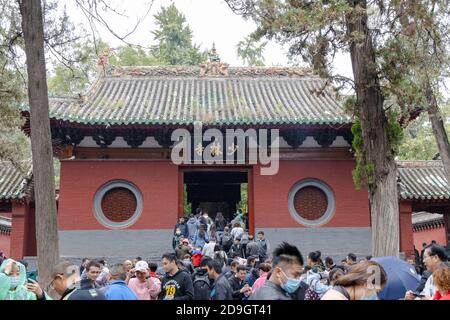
(358, 284)
(177, 238)
(13, 280)
(287, 266)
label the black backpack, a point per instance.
(202, 287)
(227, 242)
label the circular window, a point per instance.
(118, 204)
(311, 203)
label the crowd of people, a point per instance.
(211, 262)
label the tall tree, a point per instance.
(416, 61)
(317, 30)
(420, 142)
(43, 173)
(174, 37)
(251, 52)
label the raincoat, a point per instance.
(20, 292)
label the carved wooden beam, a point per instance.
(164, 137)
(294, 137)
(135, 138)
(104, 137)
(325, 137)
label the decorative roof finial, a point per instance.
(213, 67)
(103, 60)
(213, 56)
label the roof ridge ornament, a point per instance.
(214, 67)
(103, 61)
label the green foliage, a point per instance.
(394, 132)
(410, 47)
(363, 174)
(132, 56)
(174, 47)
(243, 204)
(187, 205)
(14, 144)
(174, 38)
(419, 142)
(349, 104)
(251, 53)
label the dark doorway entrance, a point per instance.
(217, 191)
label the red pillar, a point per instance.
(19, 230)
(406, 229)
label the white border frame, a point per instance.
(98, 212)
(329, 213)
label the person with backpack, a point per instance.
(201, 282)
(252, 248)
(226, 240)
(192, 227)
(237, 231)
(220, 255)
(315, 274)
(221, 289)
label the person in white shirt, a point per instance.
(434, 257)
(208, 249)
(237, 231)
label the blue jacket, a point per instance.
(200, 241)
(118, 290)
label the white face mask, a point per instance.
(15, 282)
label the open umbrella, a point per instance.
(401, 277)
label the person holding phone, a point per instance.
(143, 285)
(434, 258)
(13, 282)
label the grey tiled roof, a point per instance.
(423, 180)
(13, 182)
(422, 217)
(180, 96)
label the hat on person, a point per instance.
(141, 266)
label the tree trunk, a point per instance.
(383, 195)
(43, 175)
(437, 123)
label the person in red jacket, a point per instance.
(196, 257)
(441, 278)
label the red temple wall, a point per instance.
(5, 244)
(80, 180)
(271, 193)
(437, 234)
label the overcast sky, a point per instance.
(210, 20)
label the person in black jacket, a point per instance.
(237, 249)
(239, 286)
(221, 289)
(93, 269)
(176, 284)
